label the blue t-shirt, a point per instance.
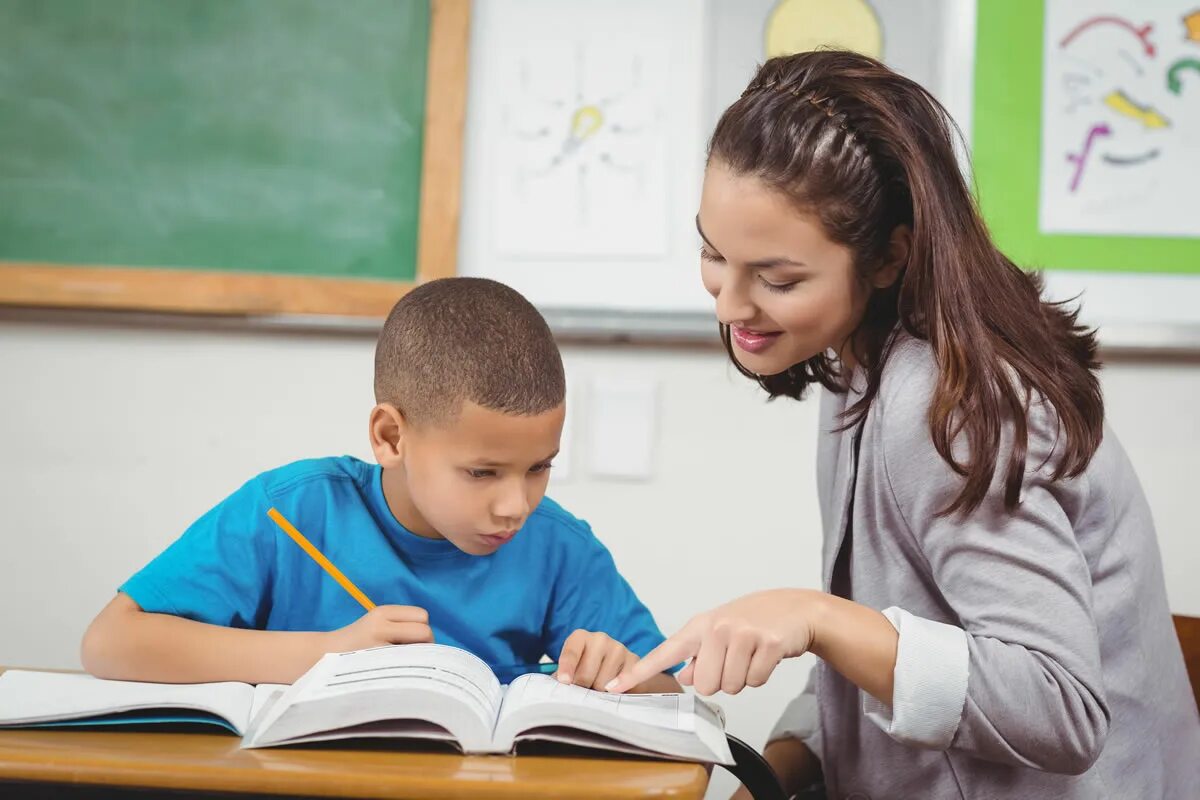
(235, 567)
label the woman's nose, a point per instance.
(733, 303)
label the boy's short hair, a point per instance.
(457, 339)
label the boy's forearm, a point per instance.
(125, 643)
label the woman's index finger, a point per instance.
(660, 659)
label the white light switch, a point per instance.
(621, 427)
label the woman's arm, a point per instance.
(857, 641)
(740, 643)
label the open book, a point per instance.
(61, 699)
(416, 691)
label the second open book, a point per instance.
(400, 691)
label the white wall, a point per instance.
(113, 437)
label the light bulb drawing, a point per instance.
(584, 141)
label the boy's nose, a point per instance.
(512, 506)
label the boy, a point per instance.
(450, 530)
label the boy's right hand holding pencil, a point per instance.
(382, 625)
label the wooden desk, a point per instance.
(213, 762)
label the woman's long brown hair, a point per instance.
(864, 150)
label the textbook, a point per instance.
(412, 691)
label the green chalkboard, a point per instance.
(243, 136)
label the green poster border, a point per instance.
(1007, 157)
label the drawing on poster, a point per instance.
(583, 144)
(1120, 118)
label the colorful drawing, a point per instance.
(1142, 33)
(1120, 102)
(1191, 23)
(797, 26)
(1127, 161)
(1123, 115)
(1080, 159)
(1174, 84)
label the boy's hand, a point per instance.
(382, 625)
(592, 659)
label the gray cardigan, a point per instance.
(1036, 656)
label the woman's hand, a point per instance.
(738, 644)
(735, 645)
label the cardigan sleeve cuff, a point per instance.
(930, 683)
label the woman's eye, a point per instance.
(707, 255)
(777, 287)
(481, 473)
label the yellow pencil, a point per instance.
(320, 558)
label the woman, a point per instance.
(993, 620)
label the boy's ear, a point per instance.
(899, 246)
(387, 430)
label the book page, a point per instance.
(428, 667)
(671, 711)
(675, 725)
(395, 682)
(265, 695)
(29, 697)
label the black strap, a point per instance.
(753, 771)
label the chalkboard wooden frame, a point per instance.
(188, 291)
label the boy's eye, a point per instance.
(481, 473)
(536, 468)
